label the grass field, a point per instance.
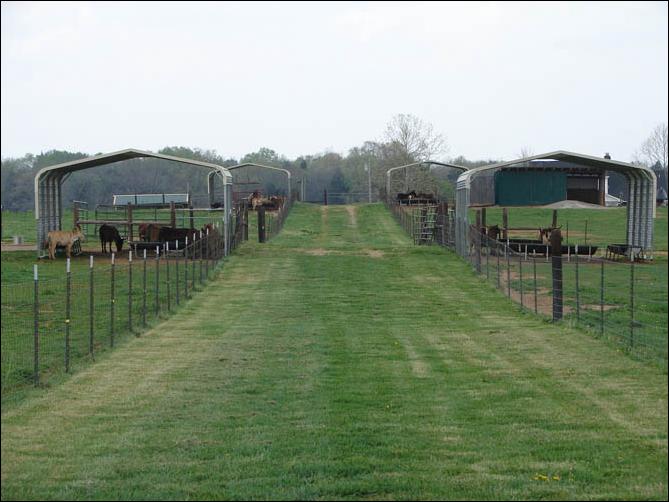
(604, 226)
(339, 361)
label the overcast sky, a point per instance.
(303, 78)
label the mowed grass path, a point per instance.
(340, 362)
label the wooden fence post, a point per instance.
(75, 214)
(505, 224)
(261, 224)
(130, 239)
(245, 220)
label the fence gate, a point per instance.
(425, 222)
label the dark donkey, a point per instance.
(109, 234)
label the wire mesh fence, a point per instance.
(51, 324)
(274, 220)
(624, 301)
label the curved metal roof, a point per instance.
(110, 158)
(444, 164)
(430, 162)
(127, 154)
(571, 157)
(251, 164)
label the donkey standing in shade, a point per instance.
(63, 238)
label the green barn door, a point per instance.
(527, 188)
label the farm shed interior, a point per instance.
(49, 181)
(552, 177)
(428, 176)
(249, 177)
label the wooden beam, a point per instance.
(129, 214)
(505, 223)
(75, 214)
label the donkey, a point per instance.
(63, 238)
(109, 234)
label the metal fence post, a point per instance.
(534, 270)
(176, 273)
(578, 296)
(487, 258)
(201, 241)
(520, 273)
(478, 241)
(478, 251)
(144, 289)
(508, 272)
(245, 222)
(192, 257)
(556, 268)
(91, 308)
(601, 301)
(111, 305)
(36, 328)
(186, 268)
(167, 278)
(68, 307)
(632, 303)
(497, 253)
(157, 280)
(130, 291)
(207, 257)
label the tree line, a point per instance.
(407, 139)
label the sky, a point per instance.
(305, 78)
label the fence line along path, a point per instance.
(338, 360)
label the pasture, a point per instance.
(339, 361)
(604, 226)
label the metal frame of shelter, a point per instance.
(49, 181)
(250, 164)
(641, 195)
(414, 164)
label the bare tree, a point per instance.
(525, 152)
(654, 149)
(409, 139)
(414, 140)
